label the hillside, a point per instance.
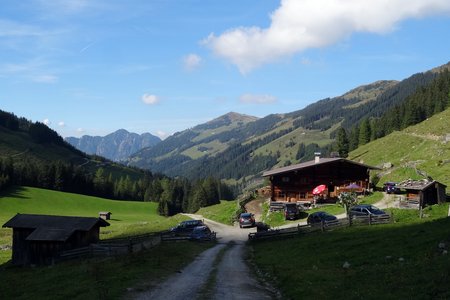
(221, 148)
(116, 146)
(420, 149)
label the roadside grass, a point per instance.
(102, 278)
(222, 213)
(128, 217)
(393, 261)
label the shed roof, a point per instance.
(417, 185)
(56, 222)
(50, 234)
(312, 163)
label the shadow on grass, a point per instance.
(14, 192)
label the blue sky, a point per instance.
(162, 66)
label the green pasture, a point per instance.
(224, 212)
(128, 217)
(404, 260)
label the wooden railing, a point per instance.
(322, 226)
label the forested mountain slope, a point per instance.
(242, 149)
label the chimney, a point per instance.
(316, 157)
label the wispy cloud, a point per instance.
(61, 124)
(45, 78)
(150, 99)
(46, 122)
(299, 25)
(191, 61)
(257, 99)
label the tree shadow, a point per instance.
(14, 192)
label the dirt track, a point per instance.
(218, 273)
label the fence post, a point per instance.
(370, 219)
(322, 225)
(349, 217)
(130, 246)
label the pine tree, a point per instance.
(364, 132)
(342, 143)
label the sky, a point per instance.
(91, 67)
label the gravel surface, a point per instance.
(218, 273)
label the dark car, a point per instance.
(201, 233)
(291, 211)
(390, 187)
(365, 210)
(320, 216)
(246, 220)
(186, 227)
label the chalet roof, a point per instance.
(417, 185)
(312, 163)
(54, 222)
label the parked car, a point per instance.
(390, 188)
(365, 210)
(201, 233)
(246, 220)
(291, 211)
(186, 227)
(320, 216)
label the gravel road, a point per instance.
(218, 273)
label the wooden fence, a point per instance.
(125, 245)
(322, 226)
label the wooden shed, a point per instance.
(105, 215)
(38, 239)
(295, 183)
(424, 191)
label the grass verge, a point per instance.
(106, 278)
(394, 261)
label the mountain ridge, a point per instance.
(116, 146)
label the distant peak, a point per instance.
(234, 116)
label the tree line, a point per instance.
(424, 103)
(174, 195)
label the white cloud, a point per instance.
(191, 61)
(150, 99)
(257, 99)
(298, 25)
(45, 79)
(80, 130)
(61, 124)
(46, 122)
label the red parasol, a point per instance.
(319, 189)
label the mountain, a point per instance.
(30, 146)
(239, 148)
(116, 146)
(416, 152)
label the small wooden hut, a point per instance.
(425, 191)
(38, 239)
(105, 215)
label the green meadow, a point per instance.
(128, 217)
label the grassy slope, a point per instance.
(94, 278)
(422, 145)
(311, 266)
(223, 212)
(128, 217)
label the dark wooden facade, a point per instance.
(295, 183)
(38, 239)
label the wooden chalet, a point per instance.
(38, 239)
(424, 192)
(295, 183)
